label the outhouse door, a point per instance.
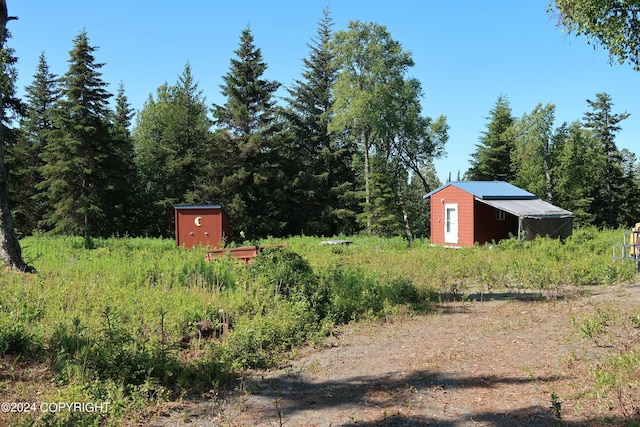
(451, 223)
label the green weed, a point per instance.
(556, 409)
(135, 321)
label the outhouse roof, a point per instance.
(489, 190)
(188, 207)
(198, 207)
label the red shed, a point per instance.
(467, 212)
(201, 226)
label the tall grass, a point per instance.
(133, 320)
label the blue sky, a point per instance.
(467, 53)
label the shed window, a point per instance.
(500, 215)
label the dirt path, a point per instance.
(484, 363)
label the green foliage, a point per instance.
(252, 169)
(532, 155)
(556, 409)
(619, 379)
(609, 194)
(320, 160)
(378, 107)
(136, 321)
(350, 152)
(171, 136)
(23, 159)
(610, 23)
(291, 277)
(617, 372)
(576, 156)
(575, 166)
(16, 339)
(492, 158)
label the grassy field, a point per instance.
(134, 322)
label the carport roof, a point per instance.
(536, 209)
(489, 190)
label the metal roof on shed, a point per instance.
(536, 209)
(489, 190)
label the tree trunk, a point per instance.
(548, 177)
(10, 252)
(405, 214)
(367, 190)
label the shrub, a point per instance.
(260, 341)
(353, 294)
(17, 340)
(289, 275)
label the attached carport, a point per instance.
(535, 217)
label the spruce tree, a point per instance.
(191, 129)
(78, 152)
(604, 125)
(319, 161)
(492, 159)
(577, 155)
(151, 157)
(30, 204)
(253, 183)
(172, 135)
(629, 209)
(121, 173)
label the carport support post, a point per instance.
(519, 227)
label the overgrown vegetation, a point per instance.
(616, 373)
(137, 321)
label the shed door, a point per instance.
(451, 223)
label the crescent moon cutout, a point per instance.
(197, 222)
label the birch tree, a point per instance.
(371, 79)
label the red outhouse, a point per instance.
(202, 226)
(464, 213)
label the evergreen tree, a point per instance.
(532, 156)
(121, 171)
(191, 129)
(319, 161)
(75, 158)
(171, 139)
(152, 152)
(492, 159)
(388, 182)
(10, 251)
(629, 210)
(25, 168)
(608, 197)
(253, 183)
(577, 155)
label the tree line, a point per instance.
(347, 151)
(577, 166)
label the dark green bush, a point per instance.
(401, 290)
(289, 275)
(353, 294)
(15, 339)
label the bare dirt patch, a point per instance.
(494, 362)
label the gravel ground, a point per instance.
(494, 362)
